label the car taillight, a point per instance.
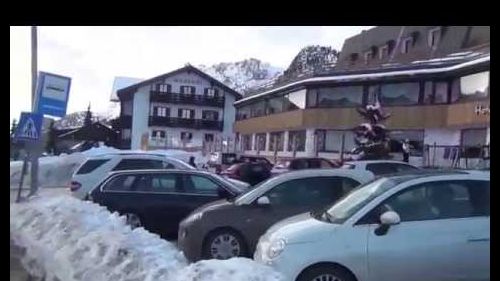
(74, 186)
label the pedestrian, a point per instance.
(191, 161)
(406, 150)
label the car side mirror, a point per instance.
(222, 193)
(263, 201)
(387, 219)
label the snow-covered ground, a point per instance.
(56, 171)
(68, 239)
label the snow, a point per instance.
(56, 171)
(369, 76)
(68, 239)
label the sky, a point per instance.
(94, 56)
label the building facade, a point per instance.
(434, 81)
(185, 108)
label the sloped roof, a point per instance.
(131, 89)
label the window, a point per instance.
(186, 113)
(243, 112)
(164, 88)
(331, 140)
(368, 56)
(209, 137)
(383, 52)
(399, 94)
(210, 115)
(275, 105)
(260, 142)
(314, 191)
(389, 168)
(90, 166)
(188, 90)
(278, 139)
(298, 138)
(340, 96)
(200, 185)
(186, 136)
(161, 111)
(164, 183)
(120, 183)
(472, 87)
(442, 200)
(436, 92)
(247, 142)
(434, 35)
(138, 164)
(474, 137)
(294, 100)
(210, 92)
(312, 97)
(126, 133)
(258, 109)
(416, 138)
(405, 45)
(158, 134)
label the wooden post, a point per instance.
(275, 146)
(342, 149)
(434, 155)
(294, 145)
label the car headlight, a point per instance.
(276, 248)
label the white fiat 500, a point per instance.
(425, 226)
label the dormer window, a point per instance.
(405, 45)
(434, 36)
(368, 56)
(383, 52)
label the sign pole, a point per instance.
(36, 146)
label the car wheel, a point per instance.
(133, 220)
(224, 244)
(326, 273)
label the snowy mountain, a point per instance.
(243, 75)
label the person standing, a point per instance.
(406, 150)
(191, 161)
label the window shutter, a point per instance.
(193, 89)
(216, 92)
(192, 114)
(179, 113)
(169, 88)
(167, 109)
(216, 115)
(205, 92)
(155, 111)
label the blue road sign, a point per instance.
(52, 94)
(29, 127)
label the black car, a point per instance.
(251, 173)
(159, 199)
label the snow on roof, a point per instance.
(371, 75)
(70, 239)
(120, 83)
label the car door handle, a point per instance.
(478, 240)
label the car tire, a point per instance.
(224, 244)
(133, 219)
(326, 272)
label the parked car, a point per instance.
(303, 163)
(256, 159)
(381, 167)
(252, 173)
(96, 168)
(159, 199)
(229, 228)
(423, 226)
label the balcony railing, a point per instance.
(175, 122)
(177, 98)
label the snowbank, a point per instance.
(69, 239)
(56, 171)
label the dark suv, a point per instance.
(251, 173)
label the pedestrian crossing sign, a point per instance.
(29, 127)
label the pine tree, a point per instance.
(88, 118)
(13, 127)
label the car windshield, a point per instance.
(357, 199)
(251, 192)
(180, 164)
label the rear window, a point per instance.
(138, 164)
(90, 166)
(348, 166)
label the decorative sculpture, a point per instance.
(371, 138)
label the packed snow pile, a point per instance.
(56, 171)
(68, 239)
